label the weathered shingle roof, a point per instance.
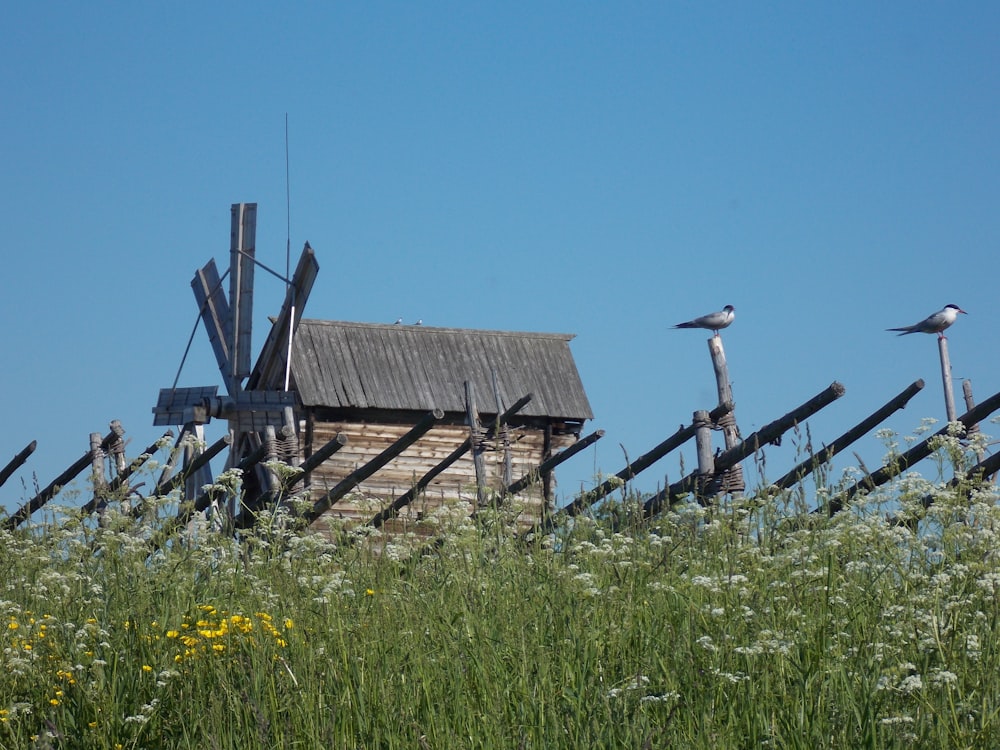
(368, 366)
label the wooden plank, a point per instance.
(119, 481)
(214, 311)
(917, 453)
(476, 439)
(397, 367)
(550, 463)
(806, 467)
(729, 458)
(242, 248)
(18, 460)
(269, 372)
(949, 392)
(23, 513)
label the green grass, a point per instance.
(724, 628)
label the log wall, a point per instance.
(367, 440)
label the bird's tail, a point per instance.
(905, 330)
(685, 325)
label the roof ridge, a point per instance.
(439, 329)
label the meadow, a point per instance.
(749, 623)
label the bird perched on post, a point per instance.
(715, 321)
(935, 323)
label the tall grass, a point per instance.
(742, 625)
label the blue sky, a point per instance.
(603, 169)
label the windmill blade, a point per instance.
(269, 372)
(242, 243)
(248, 411)
(215, 314)
(253, 411)
(177, 406)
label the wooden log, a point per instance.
(123, 475)
(586, 499)
(317, 458)
(97, 478)
(272, 365)
(949, 392)
(766, 434)
(475, 431)
(116, 450)
(197, 473)
(806, 467)
(703, 445)
(408, 497)
(96, 462)
(355, 478)
(23, 513)
(187, 510)
(730, 431)
(550, 463)
(904, 461)
(973, 477)
(17, 462)
(970, 402)
(198, 462)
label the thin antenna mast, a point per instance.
(288, 260)
(288, 209)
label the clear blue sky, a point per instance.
(603, 169)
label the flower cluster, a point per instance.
(215, 632)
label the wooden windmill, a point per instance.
(258, 403)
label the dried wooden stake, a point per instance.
(805, 468)
(917, 453)
(766, 434)
(949, 393)
(17, 461)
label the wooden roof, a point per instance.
(371, 366)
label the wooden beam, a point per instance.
(730, 430)
(332, 446)
(586, 499)
(248, 516)
(977, 473)
(766, 434)
(703, 447)
(123, 476)
(475, 430)
(187, 509)
(949, 391)
(355, 478)
(201, 460)
(18, 461)
(550, 463)
(269, 372)
(806, 467)
(242, 248)
(917, 453)
(214, 311)
(23, 513)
